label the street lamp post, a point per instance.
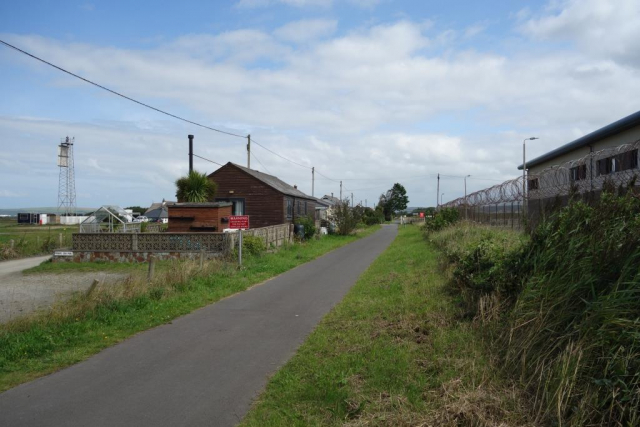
(466, 205)
(524, 169)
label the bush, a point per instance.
(569, 306)
(253, 245)
(441, 219)
(309, 226)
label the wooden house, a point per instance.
(266, 199)
(198, 217)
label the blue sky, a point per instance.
(367, 91)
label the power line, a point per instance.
(258, 160)
(203, 158)
(119, 94)
(282, 157)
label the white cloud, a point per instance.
(354, 105)
(306, 30)
(607, 28)
(250, 4)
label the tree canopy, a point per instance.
(394, 200)
(195, 188)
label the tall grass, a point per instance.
(563, 307)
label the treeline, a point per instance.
(560, 306)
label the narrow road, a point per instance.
(203, 369)
(8, 268)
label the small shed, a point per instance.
(198, 217)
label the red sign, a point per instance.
(237, 222)
(421, 214)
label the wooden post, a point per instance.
(93, 287)
(152, 267)
(201, 258)
(60, 238)
(38, 241)
(12, 243)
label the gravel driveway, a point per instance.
(20, 295)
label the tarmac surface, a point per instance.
(203, 369)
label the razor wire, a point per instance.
(614, 165)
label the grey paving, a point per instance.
(21, 295)
(203, 369)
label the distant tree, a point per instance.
(394, 200)
(139, 209)
(195, 187)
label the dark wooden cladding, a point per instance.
(265, 205)
(187, 219)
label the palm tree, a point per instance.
(195, 187)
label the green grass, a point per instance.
(391, 353)
(84, 326)
(31, 240)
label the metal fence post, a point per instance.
(240, 247)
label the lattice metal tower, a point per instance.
(67, 180)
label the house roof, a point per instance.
(199, 205)
(158, 210)
(330, 199)
(272, 181)
(611, 129)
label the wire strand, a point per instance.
(282, 157)
(258, 160)
(118, 93)
(204, 158)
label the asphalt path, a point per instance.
(203, 369)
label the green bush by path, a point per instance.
(563, 307)
(441, 219)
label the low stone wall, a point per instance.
(275, 235)
(151, 242)
(130, 256)
(138, 247)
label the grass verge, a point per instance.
(81, 327)
(392, 353)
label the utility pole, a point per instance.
(340, 191)
(351, 199)
(313, 180)
(365, 203)
(438, 193)
(190, 153)
(249, 151)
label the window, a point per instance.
(618, 163)
(237, 205)
(289, 208)
(305, 208)
(578, 173)
(299, 209)
(533, 184)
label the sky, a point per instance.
(370, 92)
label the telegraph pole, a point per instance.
(249, 151)
(365, 203)
(190, 152)
(351, 199)
(438, 194)
(313, 180)
(340, 191)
